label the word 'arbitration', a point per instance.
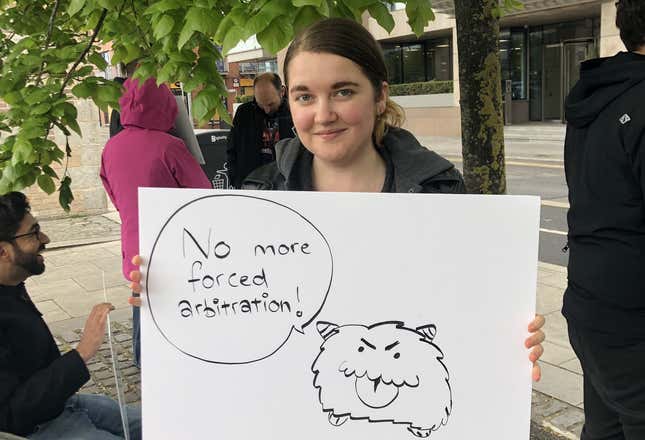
(220, 308)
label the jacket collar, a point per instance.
(414, 164)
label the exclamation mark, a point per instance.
(298, 313)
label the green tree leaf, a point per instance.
(50, 172)
(46, 183)
(419, 15)
(21, 150)
(41, 109)
(277, 35)
(163, 27)
(75, 6)
(301, 3)
(234, 35)
(65, 196)
(96, 59)
(305, 17)
(164, 6)
(84, 89)
(382, 16)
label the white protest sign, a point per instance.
(281, 315)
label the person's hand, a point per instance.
(534, 342)
(94, 331)
(135, 285)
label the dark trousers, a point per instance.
(136, 334)
(614, 385)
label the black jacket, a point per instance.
(115, 116)
(35, 380)
(605, 170)
(416, 169)
(245, 139)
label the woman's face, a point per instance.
(333, 106)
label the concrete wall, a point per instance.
(436, 121)
(610, 42)
(83, 168)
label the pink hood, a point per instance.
(151, 106)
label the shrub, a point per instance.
(421, 88)
(244, 98)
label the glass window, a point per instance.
(418, 62)
(517, 57)
(268, 66)
(535, 75)
(513, 60)
(413, 64)
(438, 60)
(504, 56)
(393, 63)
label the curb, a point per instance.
(556, 416)
(85, 242)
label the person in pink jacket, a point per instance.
(143, 154)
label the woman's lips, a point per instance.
(330, 134)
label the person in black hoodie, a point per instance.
(604, 302)
(38, 385)
(257, 126)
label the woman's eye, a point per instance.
(303, 98)
(345, 92)
(361, 349)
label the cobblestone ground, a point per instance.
(100, 367)
(540, 433)
(80, 230)
(556, 416)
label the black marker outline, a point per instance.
(328, 330)
(293, 327)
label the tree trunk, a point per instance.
(482, 125)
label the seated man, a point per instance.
(38, 385)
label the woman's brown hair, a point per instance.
(348, 39)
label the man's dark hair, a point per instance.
(271, 77)
(630, 19)
(13, 208)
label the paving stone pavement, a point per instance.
(100, 366)
(73, 283)
(79, 230)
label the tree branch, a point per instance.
(136, 19)
(95, 32)
(50, 30)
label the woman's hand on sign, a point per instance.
(534, 342)
(135, 284)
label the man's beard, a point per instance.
(29, 262)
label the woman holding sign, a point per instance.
(349, 135)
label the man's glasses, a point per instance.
(35, 232)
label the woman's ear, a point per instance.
(381, 102)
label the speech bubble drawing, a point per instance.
(231, 277)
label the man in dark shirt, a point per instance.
(38, 385)
(257, 127)
(605, 298)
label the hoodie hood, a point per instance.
(601, 82)
(149, 106)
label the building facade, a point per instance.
(541, 49)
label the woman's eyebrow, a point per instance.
(299, 88)
(368, 344)
(341, 84)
